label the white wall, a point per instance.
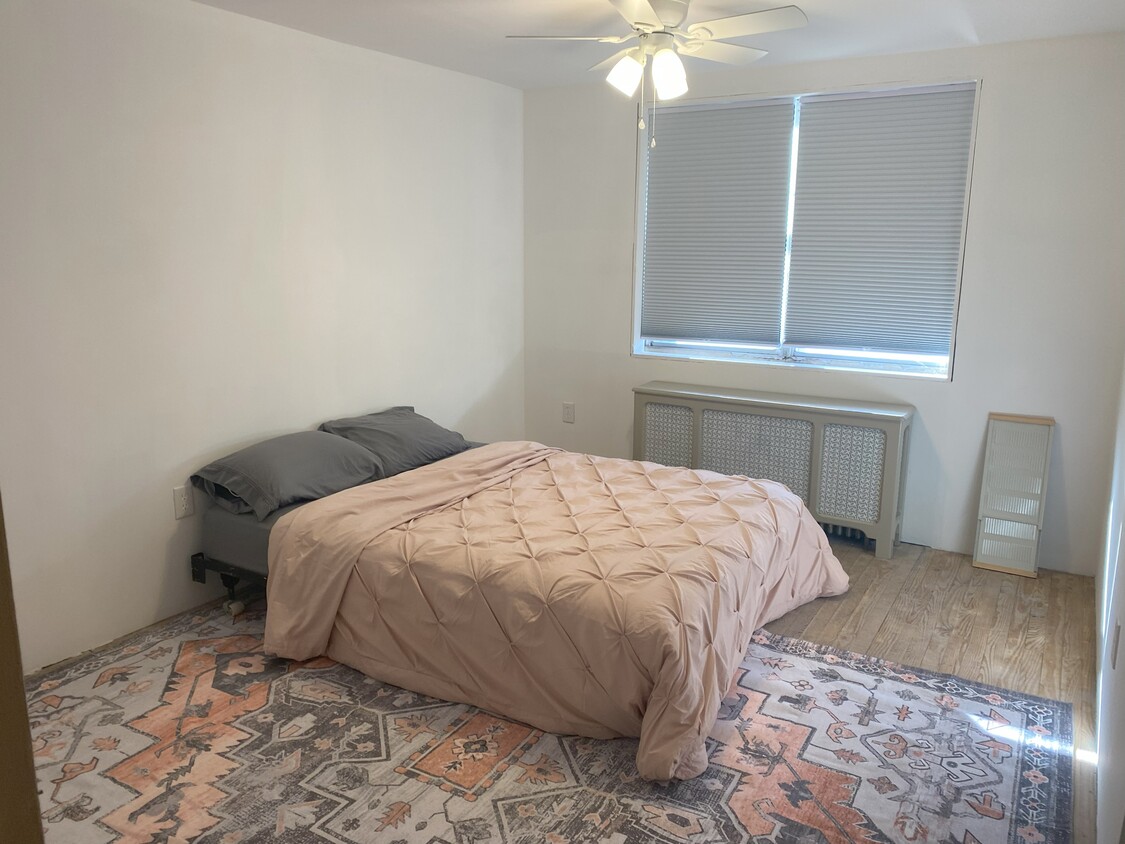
(1041, 305)
(1111, 681)
(213, 230)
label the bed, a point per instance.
(579, 594)
(236, 547)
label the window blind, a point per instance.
(878, 217)
(714, 225)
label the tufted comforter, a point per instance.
(579, 594)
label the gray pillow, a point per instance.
(277, 472)
(399, 438)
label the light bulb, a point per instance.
(668, 74)
(626, 75)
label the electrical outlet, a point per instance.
(1114, 646)
(183, 502)
(568, 412)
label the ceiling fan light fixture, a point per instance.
(626, 75)
(668, 75)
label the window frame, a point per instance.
(874, 362)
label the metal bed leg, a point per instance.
(198, 568)
(230, 581)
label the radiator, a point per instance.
(845, 459)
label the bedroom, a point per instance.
(219, 230)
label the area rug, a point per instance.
(187, 732)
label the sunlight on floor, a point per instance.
(1086, 757)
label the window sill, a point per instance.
(830, 364)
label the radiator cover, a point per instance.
(846, 459)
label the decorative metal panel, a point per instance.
(851, 472)
(772, 447)
(668, 434)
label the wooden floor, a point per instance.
(932, 609)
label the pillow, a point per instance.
(399, 438)
(277, 472)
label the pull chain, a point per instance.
(641, 120)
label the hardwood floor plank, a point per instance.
(867, 608)
(1027, 638)
(896, 616)
(995, 650)
(861, 571)
(905, 634)
(950, 610)
(1053, 659)
(979, 598)
(796, 623)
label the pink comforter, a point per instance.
(579, 594)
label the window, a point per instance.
(820, 230)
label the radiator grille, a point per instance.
(771, 447)
(843, 458)
(851, 472)
(668, 434)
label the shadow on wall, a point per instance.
(922, 461)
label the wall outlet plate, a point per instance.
(183, 502)
(568, 412)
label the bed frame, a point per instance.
(229, 574)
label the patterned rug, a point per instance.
(187, 733)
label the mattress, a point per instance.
(578, 594)
(239, 539)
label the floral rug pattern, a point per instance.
(187, 732)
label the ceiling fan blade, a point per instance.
(612, 60)
(754, 23)
(638, 12)
(716, 51)
(605, 39)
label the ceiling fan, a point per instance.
(658, 29)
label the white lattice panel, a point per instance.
(1014, 478)
(772, 447)
(851, 473)
(1005, 543)
(1013, 489)
(668, 434)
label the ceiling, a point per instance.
(468, 35)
